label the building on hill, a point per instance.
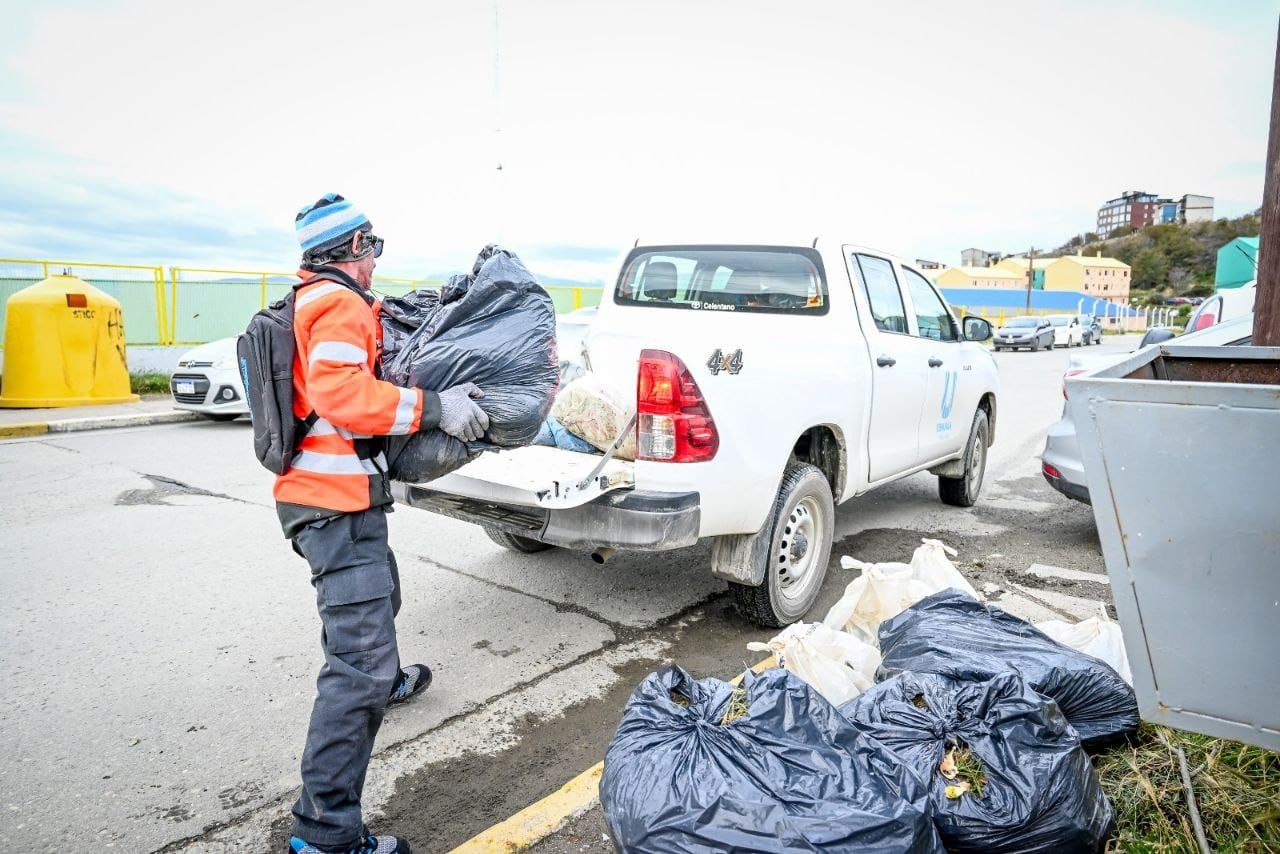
(1139, 209)
(964, 277)
(1192, 208)
(1237, 263)
(1092, 275)
(924, 264)
(1018, 264)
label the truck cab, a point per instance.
(772, 381)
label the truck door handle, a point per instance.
(935, 363)
(886, 362)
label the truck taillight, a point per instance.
(673, 422)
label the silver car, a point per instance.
(1061, 463)
(1034, 333)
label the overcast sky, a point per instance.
(191, 133)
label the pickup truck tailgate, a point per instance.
(537, 476)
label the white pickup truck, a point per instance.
(772, 381)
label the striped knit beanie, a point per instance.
(328, 224)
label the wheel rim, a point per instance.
(977, 460)
(799, 548)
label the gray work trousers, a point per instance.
(358, 595)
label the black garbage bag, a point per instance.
(1032, 786)
(495, 328)
(401, 317)
(790, 774)
(952, 634)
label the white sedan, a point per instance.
(1067, 331)
(207, 381)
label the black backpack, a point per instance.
(265, 352)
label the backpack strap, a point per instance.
(327, 274)
(330, 274)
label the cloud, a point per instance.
(197, 131)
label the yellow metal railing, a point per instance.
(216, 301)
(148, 275)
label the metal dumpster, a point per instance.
(1181, 447)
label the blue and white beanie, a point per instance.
(327, 224)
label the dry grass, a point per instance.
(737, 708)
(1237, 790)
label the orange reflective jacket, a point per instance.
(340, 465)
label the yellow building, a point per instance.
(1019, 265)
(980, 277)
(1102, 278)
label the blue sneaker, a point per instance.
(369, 845)
(414, 679)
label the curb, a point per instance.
(100, 422)
(537, 821)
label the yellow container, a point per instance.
(64, 346)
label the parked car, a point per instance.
(772, 380)
(207, 381)
(1067, 330)
(1092, 329)
(1061, 462)
(1034, 333)
(1222, 306)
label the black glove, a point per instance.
(460, 416)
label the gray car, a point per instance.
(1033, 333)
(1061, 463)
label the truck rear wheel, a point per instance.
(802, 524)
(517, 543)
(963, 491)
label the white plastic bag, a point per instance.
(1098, 636)
(932, 567)
(837, 665)
(595, 411)
(882, 591)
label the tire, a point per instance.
(801, 523)
(1035, 348)
(963, 491)
(998, 349)
(221, 416)
(517, 543)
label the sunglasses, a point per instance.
(369, 243)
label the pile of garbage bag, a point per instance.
(913, 702)
(1004, 769)
(702, 766)
(836, 664)
(884, 590)
(495, 327)
(952, 634)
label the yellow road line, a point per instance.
(539, 820)
(31, 428)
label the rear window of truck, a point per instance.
(764, 279)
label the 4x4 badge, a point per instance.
(730, 364)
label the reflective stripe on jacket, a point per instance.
(340, 464)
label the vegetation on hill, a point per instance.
(1168, 260)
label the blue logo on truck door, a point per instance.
(949, 393)
(951, 381)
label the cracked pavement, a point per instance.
(162, 642)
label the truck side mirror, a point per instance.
(976, 329)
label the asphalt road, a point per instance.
(162, 642)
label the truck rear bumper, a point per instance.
(633, 520)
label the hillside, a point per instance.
(1168, 260)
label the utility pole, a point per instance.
(1266, 318)
(1031, 274)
